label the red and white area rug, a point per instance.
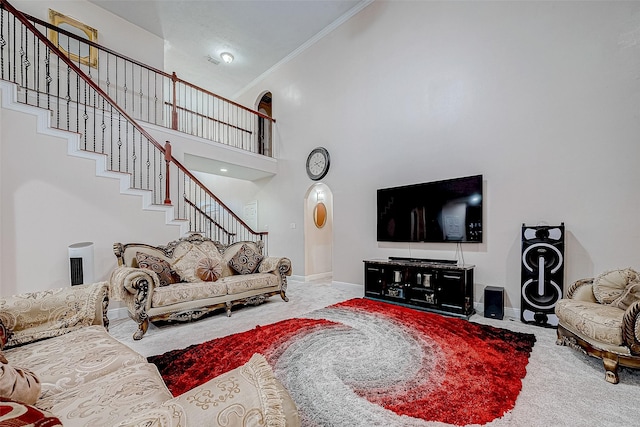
(369, 363)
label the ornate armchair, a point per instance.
(601, 318)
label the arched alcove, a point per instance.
(318, 232)
(264, 105)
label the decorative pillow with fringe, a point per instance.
(245, 396)
(630, 295)
(185, 266)
(610, 285)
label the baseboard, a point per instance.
(311, 277)
(319, 276)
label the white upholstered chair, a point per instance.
(601, 318)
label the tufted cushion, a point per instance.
(208, 269)
(185, 265)
(610, 285)
(161, 267)
(16, 414)
(246, 260)
(600, 322)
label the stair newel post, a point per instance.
(174, 107)
(167, 161)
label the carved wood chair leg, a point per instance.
(284, 296)
(229, 305)
(611, 369)
(142, 329)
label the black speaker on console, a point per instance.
(494, 302)
(542, 273)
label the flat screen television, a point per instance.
(439, 211)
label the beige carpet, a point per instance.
(562, 388)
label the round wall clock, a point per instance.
(318, 163)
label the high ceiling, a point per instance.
(259, 33)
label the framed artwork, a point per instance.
(74, 49)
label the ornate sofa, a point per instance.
(192, 276)
(601, 317)
(69, 371)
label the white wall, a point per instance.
(51, 200)
(542, 98)
(113, 31)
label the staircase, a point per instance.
(98, 110)
(9, 92)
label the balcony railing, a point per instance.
(46, 77)
(154, 96)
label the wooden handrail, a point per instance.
(206, 215)
(168, 157)
(257, 113)
(174, 78)
(21, 17)
(208, 118)
(213, 196)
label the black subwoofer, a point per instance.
(494, 302)
(542, 273)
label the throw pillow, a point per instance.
(630, 295)
(208, 269)
(246, 260)
(244, 396)
(268, 265)
(186, 265)
(18, 384)
(18, 414)
(161, 267)
(610, 285)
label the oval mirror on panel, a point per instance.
(320, 215)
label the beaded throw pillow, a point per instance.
(208, 269)
(162, 268)
(246, 260)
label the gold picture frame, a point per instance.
(87, 57)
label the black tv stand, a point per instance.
(426, 260)
(441, 286)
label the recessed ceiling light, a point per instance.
(226, 57)
(223, 170)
